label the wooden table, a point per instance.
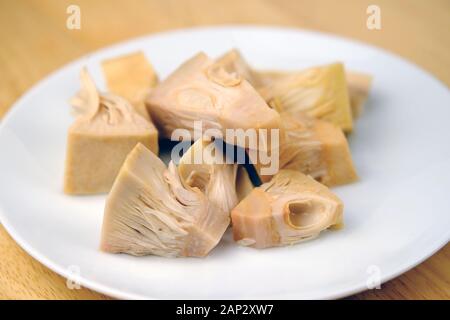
(35, 41)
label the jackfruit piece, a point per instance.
(132, 77)
(106, 130)
(202, 90)
(314, 147)
(320, 92)
(87, 99)
(204, 166)
(150, 210)
(233, 61)
(244, 184)
(291, 208)
(359, 87)
(336, 155)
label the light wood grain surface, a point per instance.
(34, 41)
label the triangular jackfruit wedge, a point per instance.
(132, 77)
(202, 90)
(150, 210)
(291, 208)
(314, 147)
(106, 130)
(320, 92)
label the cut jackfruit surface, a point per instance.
(106, 130)
(316, 148)
(204, 166)
(335, 154)
(291, 208)
(151, 210)
(132, 77)
(202, 90)
(359, 87)
(320, 92)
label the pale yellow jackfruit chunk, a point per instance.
(202, 90)
(233, 61)
(204, 166)
(132, 77)
(320, 92)
(336, 155)
(291, 208)
(359, 87)
(150, 210)
(316, 148)
(105, 131)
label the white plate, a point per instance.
(396, 216)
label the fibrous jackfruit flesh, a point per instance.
(151, 210)
(320, 92)
(291, 208)
(106, 130)
(201, 89)
(316, 148)
(358, 86)
(132, 77)
(204, 166)
(234, 62)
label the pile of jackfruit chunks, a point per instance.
(183, 209)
